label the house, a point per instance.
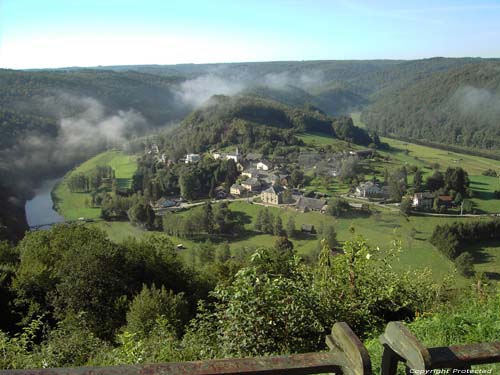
(250, 173)
(264, 165)
(237, 189)
(165, 203)
(236, 156)
(251, 184)
(273, 195)
(217, 155)
(445, 200)
(364, 154)
(423, 200)
(305, 204)
(253, 156)
(192, 158)
(307, 228)
(368, 189)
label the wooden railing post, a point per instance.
(344, 341)
(400, 345)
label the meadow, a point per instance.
(76, 205)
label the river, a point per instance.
(39, 210)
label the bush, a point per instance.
(465, 264)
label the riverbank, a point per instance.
(73, 206)
(39, 210)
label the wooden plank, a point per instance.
(465, 355)
(296, 364)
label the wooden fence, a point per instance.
(347, 355)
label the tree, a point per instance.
(405, 206)
(457, 179)
(275, 313)
(283, 244)
(259, 221)
(435, 182)
(465, 264)
(208, 218)
(142, 214)
(267, 222)
(290, 227)
(297, 178)
(417, 181)
(329, 236)
(152, 303)
(338, 207)
(278, 226)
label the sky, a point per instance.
(65, 33)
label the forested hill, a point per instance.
(254, 123)
(47, 93)
(458, 107)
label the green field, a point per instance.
(380, 229)
(75, 205)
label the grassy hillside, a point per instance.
(75, 205)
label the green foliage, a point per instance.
(338, 207)
(360, 287)
(345, 129)
(71, 344)
(405, 206)
(452, 239)
(465, 264)
(16, 351)
(490, 172)
(152, 303)
(261, 313)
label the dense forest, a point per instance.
(457, 107)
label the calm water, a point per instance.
(39, 210)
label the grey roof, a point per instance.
(253, 156)
(274, 189)
(310, 203)
(424, 195)
(251, 181)
(237, 186)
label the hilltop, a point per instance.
(255, 124)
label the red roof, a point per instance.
(446, 198)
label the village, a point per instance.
(280, 183)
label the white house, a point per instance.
(191, 158)
(264, 165)
(368, 189)
(423, 200)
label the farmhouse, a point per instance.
(423, 200)
(252, 184)
(250, 173)
(368, 189)
(445, 200)
(236, 189)
(273, 195)
(305, 204)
